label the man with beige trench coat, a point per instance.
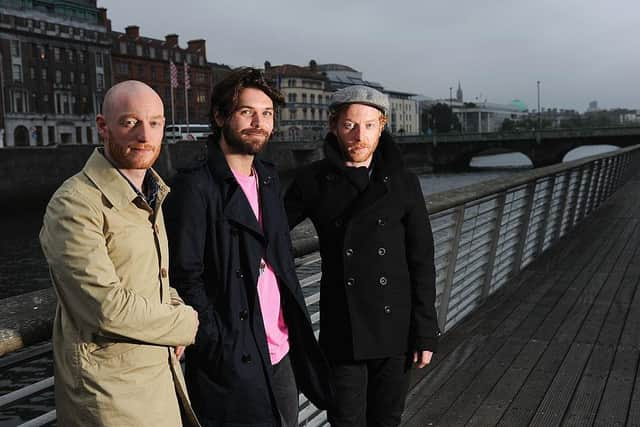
(118, 323)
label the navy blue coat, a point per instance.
(215, 245)
(378, 275)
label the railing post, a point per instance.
(531, 189)
(486, 286)
(564, 197)
(545, 221)
(451, 267)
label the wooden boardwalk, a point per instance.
(560, 346)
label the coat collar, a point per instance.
(387, 161)
(112, 184)
(237, 208)
(387, 158)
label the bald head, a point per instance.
(119, 95)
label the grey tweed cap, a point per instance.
(359, 94)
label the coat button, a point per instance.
(351, 281)
(382, 222)
(338, 223)
(246, 358)
(267, 180)
(239, 274)
(382, 251)
(387, 309)
(348, 252)
(163, 273)
(382, 280)
(244, 314)
(386, 179)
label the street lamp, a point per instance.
(538, 83)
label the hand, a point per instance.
(180, 351)
(422, 358)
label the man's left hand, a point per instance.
(180, 351)
(422, 358)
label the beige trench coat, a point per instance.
(117, 319)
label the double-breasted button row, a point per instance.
(244, 314)
(387, 309)
(382, 280)
(348, 252)
(239, 274)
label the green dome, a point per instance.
(519, 105)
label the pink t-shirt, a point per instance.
(268, 290)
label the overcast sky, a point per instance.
(580, 50)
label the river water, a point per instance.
(22, 265)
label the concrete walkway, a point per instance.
(560, 346)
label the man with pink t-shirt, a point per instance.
(230, 258)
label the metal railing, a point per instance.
(484, 235)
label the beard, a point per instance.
(247, 141)
(131, 156)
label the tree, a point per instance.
(441, 118)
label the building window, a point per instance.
(153, 73)
(83, 78)
(178, 56)
(44, 74)
(78, 135)
(89, 135)
(141, 71)
(201, 98)
(15, 48)
(99, 81)
(70, 56)
(165, 54)
(99, 60)
(292, 113)
(152, 52)
(139, 49)
(312, 98)
(82, 57)
(304, 98)
(123, 48)
(32, 73)
(72, 77)
(17, 72)
(58, 76)
(201, 61)
(56, 54)
(123, 68)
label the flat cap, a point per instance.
(359, 94)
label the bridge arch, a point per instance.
(588, 150)
(500, 158)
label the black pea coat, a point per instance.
(215, 246)
(378, 274)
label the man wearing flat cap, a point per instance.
(377, 314)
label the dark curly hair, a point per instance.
(225, 94)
